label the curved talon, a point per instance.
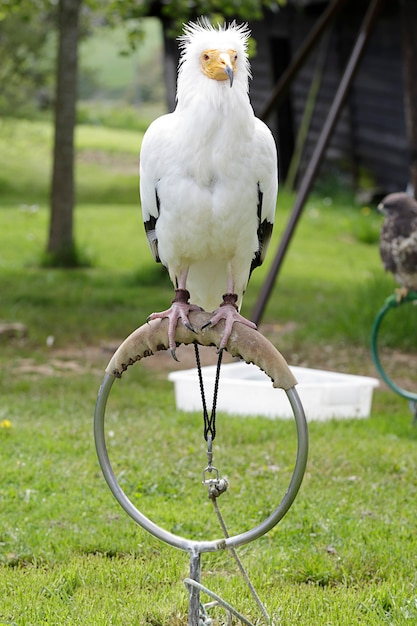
(228, 312)
(174, 355)
(401, 294)
(179, 310)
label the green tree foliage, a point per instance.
(178, 12)
(26, 53)
(28, 50)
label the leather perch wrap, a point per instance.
(244, 342)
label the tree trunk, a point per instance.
(61, 247)
(409, 32)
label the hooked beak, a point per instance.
(229, 71)
(225, 61)
(381, 208)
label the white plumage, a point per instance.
(208, 178)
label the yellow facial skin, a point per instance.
(219, 65)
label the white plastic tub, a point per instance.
(246, 390)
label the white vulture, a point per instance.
(208, 180)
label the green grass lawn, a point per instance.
(345, 552)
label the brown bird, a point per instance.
(398, 239)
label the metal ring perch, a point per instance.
(391, 302)
(244, 342)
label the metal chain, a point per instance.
(209, 421)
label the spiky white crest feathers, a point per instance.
(201, 35)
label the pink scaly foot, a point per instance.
(178, 311)
(229, 312)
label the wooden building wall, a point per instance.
(370, 137)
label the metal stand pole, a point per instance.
(194, 603)
(252, 347)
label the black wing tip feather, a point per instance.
(264, 234)
(151, 235)
(150, 229)
(264, 237)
